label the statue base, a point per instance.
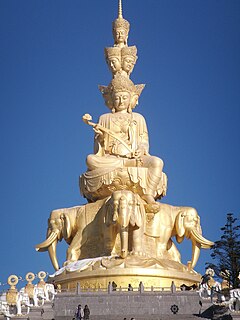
(96, 273)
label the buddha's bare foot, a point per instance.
(151, 206)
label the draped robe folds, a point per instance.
(110, 154)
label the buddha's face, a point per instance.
(114, 64)
(120, 35)
(121, 101)
(128, 64)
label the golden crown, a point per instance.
(121, 83)
(129, 51)
(112, 52)
(121, 23)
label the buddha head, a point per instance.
(120, 29)
(106, 96)
(121, 95)
(129, 58)
(113, 59)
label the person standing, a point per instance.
(114, 286)
(86, 312)
(79, 313)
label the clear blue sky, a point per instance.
(51, 61)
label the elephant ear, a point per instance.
(140, 214)
(180, 230)
(67, 228)
(108, 219)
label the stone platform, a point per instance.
(148, 305)
(118, 305)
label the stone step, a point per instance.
(137, 317)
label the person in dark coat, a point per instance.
(86, 312)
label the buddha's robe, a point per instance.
(111, 153)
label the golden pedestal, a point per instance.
(157, 273)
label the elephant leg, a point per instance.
(110, 233)
(137, 241)
(173, 251)
(161, 248)
(162, 242)
(73, 251)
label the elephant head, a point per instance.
(61, 224)
(124, 209)
(187, 225)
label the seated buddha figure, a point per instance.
(121, 141)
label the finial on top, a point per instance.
(120, 9)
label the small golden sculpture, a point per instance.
(29, 288)
(123, 226)
(41, 276)
(12, 293)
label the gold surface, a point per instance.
(99, 279)
(122, 183)
(12, 295)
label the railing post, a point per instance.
(78, 288)
(173, 287)
(109, 287)
(141, 287)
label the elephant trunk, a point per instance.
(124, 217)
(124, 242)
(50, 244)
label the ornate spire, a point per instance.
(120, 9)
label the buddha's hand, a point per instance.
(98, 130)
(138, 153)
(99, 134)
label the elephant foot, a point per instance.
(68, 262)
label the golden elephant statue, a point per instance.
(79, 226)
(125, 215)
(181, 222)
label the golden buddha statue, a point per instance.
(123, 227)
(124, 144)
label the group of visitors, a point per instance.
(112, 286)
(82, 313)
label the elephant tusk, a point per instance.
(205, 244)
(45, 244)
